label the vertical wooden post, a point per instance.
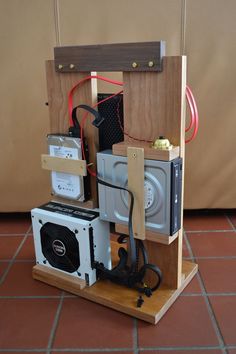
(154, 105)
(58, 86)
(135, 184)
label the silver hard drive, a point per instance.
(113, 203)
(66, 185)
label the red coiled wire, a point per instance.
(194, 119)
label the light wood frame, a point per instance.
(154, 104)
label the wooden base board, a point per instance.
(118, 297)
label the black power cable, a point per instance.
(130, 222)
(122, 273)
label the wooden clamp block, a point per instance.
(136, 185)
(149, 152)
(59, 164)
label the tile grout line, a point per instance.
(186, 258)
(104, 350)
(207, 301)
(55, 324)
(18, 260)
(207, 231)
(200, 348)
(73, 296)
(3, 277)
(12, 235)
(91, 350)
(135, 336)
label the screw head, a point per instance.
(60, 66)
(72, 66)
(150, 64)
(134, 65)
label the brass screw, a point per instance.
(72, 66)
(150, 64)
(134, 65)
(60, 66)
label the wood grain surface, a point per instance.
(135, 160)
(110, 57)
(149, 152)
(58, 87)
(59, 164)
(154, 105)
(119, 297)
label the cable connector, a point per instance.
(74, 132)
(98, 121)
(140, 301)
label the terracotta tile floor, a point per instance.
(36, 318)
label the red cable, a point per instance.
(70, 98)
(122, 129)
(190, 100)
(192, 113)
(195, 117)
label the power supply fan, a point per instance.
(60, 247)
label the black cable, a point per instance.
(135, 275)
(98, 118)
(130, 222)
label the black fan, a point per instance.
(60, 247)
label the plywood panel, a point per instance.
(169, 259)
(59, 85)
(153, 103)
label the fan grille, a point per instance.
(60, 247)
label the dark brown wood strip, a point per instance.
(145, 56)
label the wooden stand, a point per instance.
(154, 105)
(118, 297)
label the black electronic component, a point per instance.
(69, 239)
(111, 132)
(176, 195)
(60, 247)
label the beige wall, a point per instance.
(204, 30)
